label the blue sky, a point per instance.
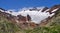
(17, 4)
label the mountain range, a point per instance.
(32, 16)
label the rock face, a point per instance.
(54, 7)
(24, 20)
(28, 18)
(45, 9)
(21, 18)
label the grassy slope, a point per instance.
(7, 26)
(52, 27)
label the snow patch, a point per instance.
(55, 10)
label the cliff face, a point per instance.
(31, 17)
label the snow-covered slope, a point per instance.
(37, 16)
(35, 13)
